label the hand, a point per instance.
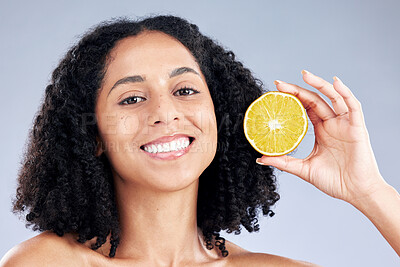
(342, 163)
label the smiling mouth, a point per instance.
(191, 139)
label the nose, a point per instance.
(163, 111)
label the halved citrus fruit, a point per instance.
(275, 123)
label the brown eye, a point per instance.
(131, 100)
(186, 91)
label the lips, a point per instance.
(166, 139)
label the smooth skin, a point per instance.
(157, 199)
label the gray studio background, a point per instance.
(358, 41)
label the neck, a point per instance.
(158, 226)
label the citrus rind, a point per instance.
(299, 136)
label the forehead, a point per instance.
(148, 51)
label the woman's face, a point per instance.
(154, 99)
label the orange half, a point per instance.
(275, 123)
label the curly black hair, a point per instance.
(65, 188)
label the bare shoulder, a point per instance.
(45, 249)
(242, 257)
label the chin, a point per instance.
(173, 182)
(160, 180)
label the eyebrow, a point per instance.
(138, 78)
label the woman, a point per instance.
(139, 155)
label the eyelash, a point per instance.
(181, 89)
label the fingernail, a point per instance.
(259, 162)
(304, 72)
(276, 82)
(337, 79)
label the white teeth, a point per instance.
(149, 149)
(179, 144)
(160, 148)
(168, 147)
(172, 146)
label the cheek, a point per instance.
(117, 130)
(129, 124)
(209, 120)
(207, 123)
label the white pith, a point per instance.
(276, 125)
(175, 145)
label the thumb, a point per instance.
(285, 163)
